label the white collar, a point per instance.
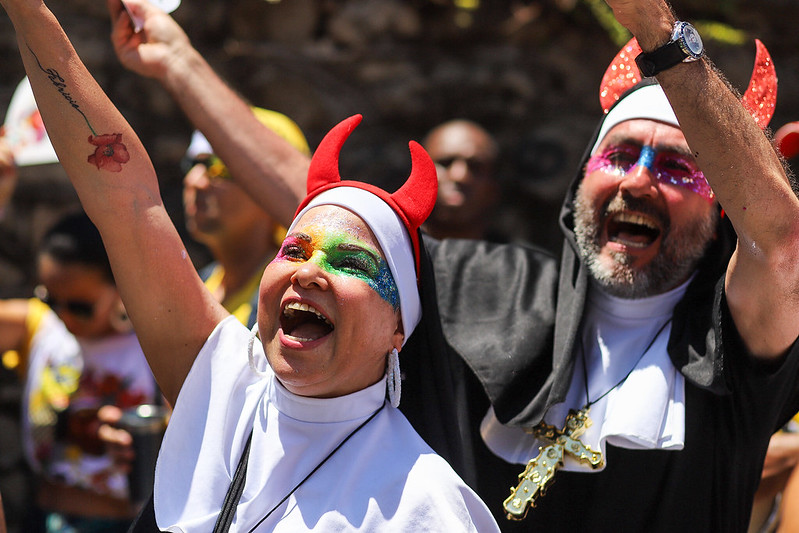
(650, 307)
(340, 409)
(647, 411)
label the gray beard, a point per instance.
(680, 252)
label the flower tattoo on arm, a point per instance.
(110, 153)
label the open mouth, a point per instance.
(632, 230)
(303, 323)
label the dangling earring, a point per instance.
(250, 345)
(393, 378)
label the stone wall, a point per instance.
(528, 70)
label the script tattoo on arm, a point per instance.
(109, 153)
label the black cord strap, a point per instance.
(236, 488)
(312, 472)
(588, 402)
(234, 492)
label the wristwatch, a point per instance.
(685, 46)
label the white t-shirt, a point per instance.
(385, 478)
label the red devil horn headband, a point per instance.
(413, 202)
(759, 99)
(621, 75)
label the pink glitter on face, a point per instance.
(667, 167)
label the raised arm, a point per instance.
(172, 313)
(270, 169)
(750, 183)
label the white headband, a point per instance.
(648, 102)
(392, 235)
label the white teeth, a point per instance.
(634, 219)
(297, 306)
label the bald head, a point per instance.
(465, 155)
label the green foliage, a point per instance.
(710, 30)
(720, 32)
(604, 15)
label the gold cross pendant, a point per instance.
(539, 472)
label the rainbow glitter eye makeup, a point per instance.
(339, 253)
(667, 167)
(292, 249)
(359, 263)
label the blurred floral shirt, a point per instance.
(67, 381)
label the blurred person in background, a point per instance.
(241, 237)
(77, 352)
(466, 156)
(14, 474)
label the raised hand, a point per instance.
(149, 51)
(650, 21)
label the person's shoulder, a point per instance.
(408, 444)
(444, 501)
(457, 263)
(225, 350)
(461, 249)
(229, 330)
(434, 497)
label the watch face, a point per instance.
(692, 40)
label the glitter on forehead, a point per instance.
(322, 217)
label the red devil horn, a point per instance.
(621, 75)
(324, 164)
(417, 196)
(760, 97)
